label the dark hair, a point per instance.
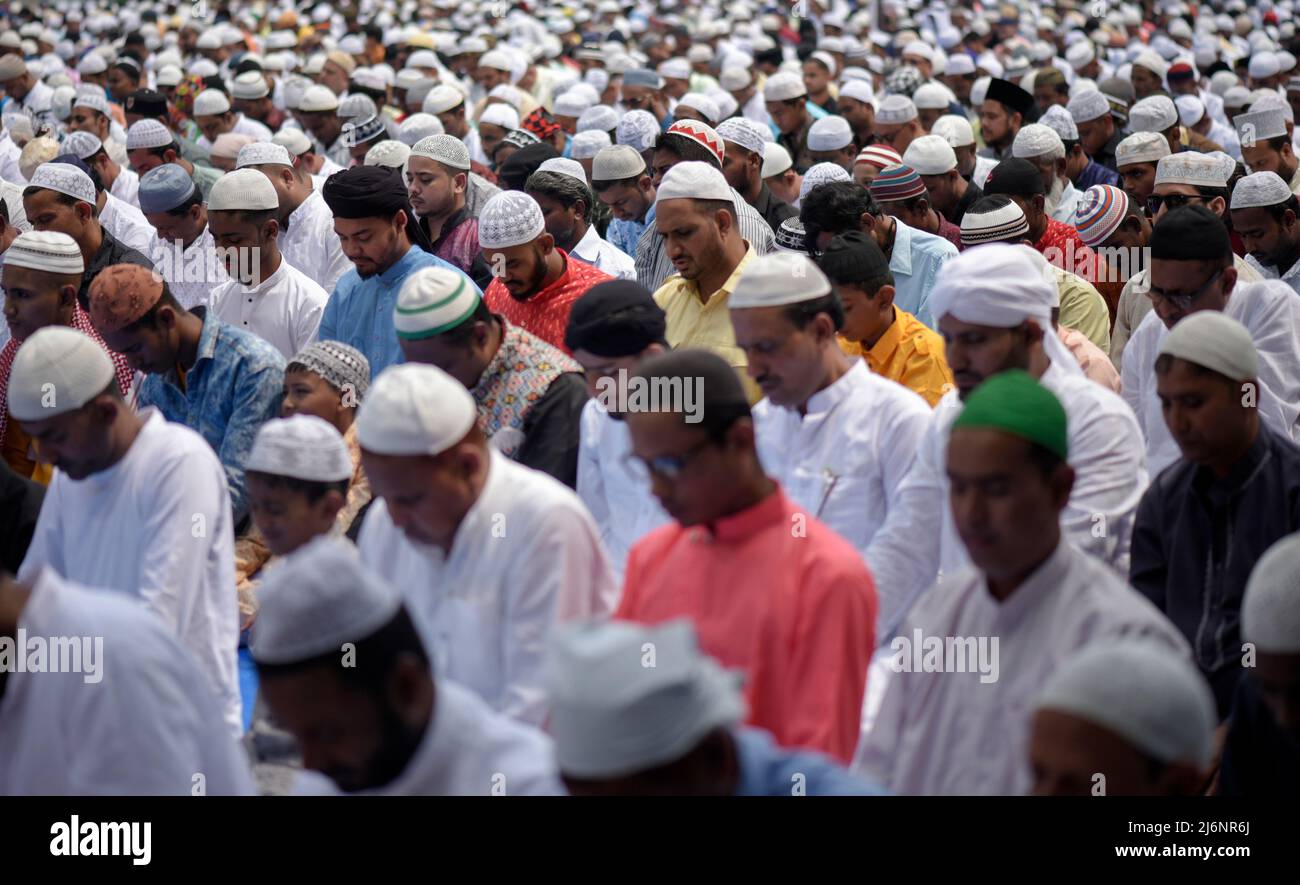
(1209, 193)
(313, 490)
(911, 202)
(600, 185)
(687, 149)
(376, 655)
(161, 152)
(196, 199)
(564, 189)
(4, 211)
(1277, 142)
(802, 313)
(256, 217)
(1044, 458)
(835, 207)
(712, 207)
(1191, 233)
(130, 70)
(1275, 211)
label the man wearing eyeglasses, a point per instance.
(1186, 179)
(771, 591)
(1193, 269)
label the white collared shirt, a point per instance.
(844, 459)
(467, 750)
(621, 502)
(1106, 452)
(127, 187)
(127, 224)
(959, 734)
(146, 727)
(310, 244)
(1064, 211)
(604, 255)
(1271, 311)
(1291, 277)
(157, 526)
(526, 557)
(284, 309)
(193, 274)
(9, 154)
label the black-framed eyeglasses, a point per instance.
(1180, 300)
(1170, 202)
(668, 467)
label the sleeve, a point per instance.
(1131, 386)
(336, 263)
(926, 372)
(1120, 335)
(875, 756)
(1147, 567)
(827, 673)
(45, 549)
(903, 436)
(1087, 312)
(257, 397)
(591, 485)
(307, 322)
(551, 429)
(329, 318)
(904, 554)
(1110, 477)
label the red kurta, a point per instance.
(773, 593)
(546, 314)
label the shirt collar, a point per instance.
(729, 285)
(837, 391)
(1050, 576)
(888, 343)
(900, 261)
(738, 527)
(401, 267)
(270, 282)
(588, 248)
(1241, 471)
(208, 337)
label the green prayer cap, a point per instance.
(1015, 403)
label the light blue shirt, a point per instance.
(768, 770)
(623, 235)
(235, 384)
(915, 263)
(360, 312)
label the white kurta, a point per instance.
(193, 273)
(1291, 276)
(284, 309)
(310, 244)
(605, 256)
(467, 750)
(475, 147)
(1106, 453)
(1064, 211)
(950, 733)
(844, 460)
(127, 187)
(9, 154)
(1271, 311)
(621, 503)
(156, 525)
(146, 728)
(526, 556)
(127, 224)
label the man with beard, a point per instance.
(1041, 146)
(382, 724)
(1264, 213)
(534, 282)
(560, 188)
(1005, 109)
(437, 178)
(377, 230)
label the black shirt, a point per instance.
(111, 251)
(1196, 539)
(773, 210)
(970, 198)
(1259, 758)
(551, 429)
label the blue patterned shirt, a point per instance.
(360, 312)
(623, 235)
(235, 384)
(1095, 173)
(915, 262)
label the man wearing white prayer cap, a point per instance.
(855, 104)
(453, 513)
(1158, 114)
(41, 277)
(935, 161)
(444, 322)
(999, 299)
(127, 493)
(695, 196)
(742, 166)
(437, 180)
(1123, 718)
(164, 723)
(266, 294)
(1041, 146)
(843, 464)
(1028, 583)
(184, 252)
(215, 117)
(1208, 373)
(897, 122)
(830, 140)
(560, 188)
(1098, 133)
(1265, 145)
(307, 238)
(390, 721)
(1193, 269)
(1261, 754)
(787, 103)
(1264, 215)
(1136, 157)
(624, 729)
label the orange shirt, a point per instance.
(910, 353)
(777, 595)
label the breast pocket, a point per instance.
(468, 636)
(845, 498)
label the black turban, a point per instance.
(614, 319)
(373, 192)
(523, 163)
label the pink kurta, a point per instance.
(775, 594)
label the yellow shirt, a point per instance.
(705, 323)
(1083, 309)
(909, 353)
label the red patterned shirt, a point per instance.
(546, 313)
(1061, 246)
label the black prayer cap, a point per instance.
(515, 171)
(615, 319)
(1015, 178)
(1011, 96)
(366, 192)
(147, 103)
